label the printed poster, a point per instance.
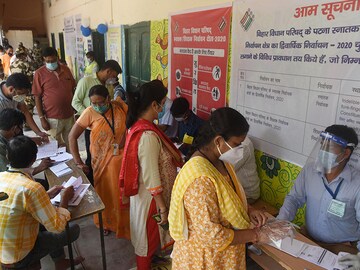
(113, 43)
(199, 57)
(295, 72)
(70, 43)
(159, 50)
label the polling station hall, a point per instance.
(179, 135)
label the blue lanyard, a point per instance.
(333, 195)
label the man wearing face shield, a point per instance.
(91, 66)
(330, 188)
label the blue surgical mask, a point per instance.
(101, 109)
(327, 159)
(161, 114)
(52, 66)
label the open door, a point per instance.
(53, 42)
(98, 47)
(137, 55)
(62, 48)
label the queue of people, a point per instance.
(200, 209)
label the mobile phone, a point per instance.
(4, 196)
(157, 218)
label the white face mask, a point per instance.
(232, 156)
(110, 81)
(19, 98)
(179, 119)
(328, 160)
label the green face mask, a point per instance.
(101, 109)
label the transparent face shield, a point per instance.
(328, 152)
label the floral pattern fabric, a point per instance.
(210, 235)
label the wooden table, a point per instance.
(90, 204)
(275, 259)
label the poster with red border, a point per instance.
(199, 51)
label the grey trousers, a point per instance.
(49, 243)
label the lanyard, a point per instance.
(333, 195)
(112, 126)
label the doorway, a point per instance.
(53, 42)
(137, 55)
(98, 47)
(62, 48)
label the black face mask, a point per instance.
(20, 133)
(10, 54)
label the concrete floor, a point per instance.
(119, 252)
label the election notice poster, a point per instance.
(199, 51)
(295, 72)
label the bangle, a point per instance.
(41, 117)
(257, 235)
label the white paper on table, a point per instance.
(319, 256)
(178, 145)
(61, 150)
(60, 169)
(79, 191)
(291, 246)
(47, 150)
(60, 157)
(313, 254)
(79, 194)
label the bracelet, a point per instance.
(163, 212)
(41, 117)
(257, 235)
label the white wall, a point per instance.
(115, 11)
(15, 36)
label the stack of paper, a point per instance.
(61, 169)
(80, 190)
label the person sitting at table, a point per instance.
(106, 119)
(330, 188)
(11, 125)
(209, 217)
(246, 172)
(21, 243)
(188, 123)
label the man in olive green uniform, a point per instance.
(36, 55)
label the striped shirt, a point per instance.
(6, 102)
(27, 206)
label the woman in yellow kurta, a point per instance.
(209, 217)
(106, 119)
